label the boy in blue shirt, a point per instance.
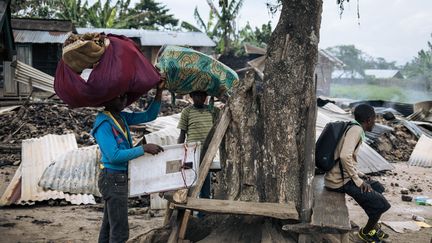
(111, 131)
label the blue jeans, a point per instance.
(114, 190)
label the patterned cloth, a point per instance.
(188, 70)
(197, 123)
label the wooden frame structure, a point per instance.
(178, 233)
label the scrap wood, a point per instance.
(423, 224)
(401, 226)
(273, 210)
(213, 147)
(13, 190)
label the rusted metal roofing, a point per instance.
(74, 172)
(37, 155)
(422, 155)
(40, 36)
(158, 38)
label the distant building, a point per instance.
(323, 69)
(340, 76)
(151, 41)
(384, 73)
(38, 44)
(7, 44)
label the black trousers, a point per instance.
(114, 190)
(373, 203)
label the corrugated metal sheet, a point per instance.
(8, 108)
(163, 130)
(342, 74)
(422, 155)
(27, 74)
(37, 155)
(336, 61)
(413, 128)
(369, 161)
(334, 108)
(382, 73)
(158, 38)
(38, 36)
(74, 172)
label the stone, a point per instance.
(406, 198)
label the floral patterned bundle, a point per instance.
(188, 70)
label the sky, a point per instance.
(393, 29)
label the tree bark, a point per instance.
(264, 154)
(267, 155)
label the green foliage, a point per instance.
(102, 14)
(258, 37)
(147, 14)
(221, 25)
(33, 8)
(420, 68)
(73, 10)
(357, 60)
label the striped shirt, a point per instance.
(196, 122)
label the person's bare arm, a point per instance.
(182, 136)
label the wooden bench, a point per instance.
(330, 218)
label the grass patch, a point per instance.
(377, 92)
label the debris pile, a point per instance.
(39, 119)
(397, 145)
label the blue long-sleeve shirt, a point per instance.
(116, 147)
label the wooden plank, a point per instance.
(309, 167)
(206, 163)
(211, 151)
(273, 210)
(329, 208)
(10, 86)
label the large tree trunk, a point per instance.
(268, 148)
(265, 145)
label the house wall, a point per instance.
(323, 73)
(11, 87)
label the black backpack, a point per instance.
(326, 144)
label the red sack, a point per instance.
(121, 69)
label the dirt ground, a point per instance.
(43, 223)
